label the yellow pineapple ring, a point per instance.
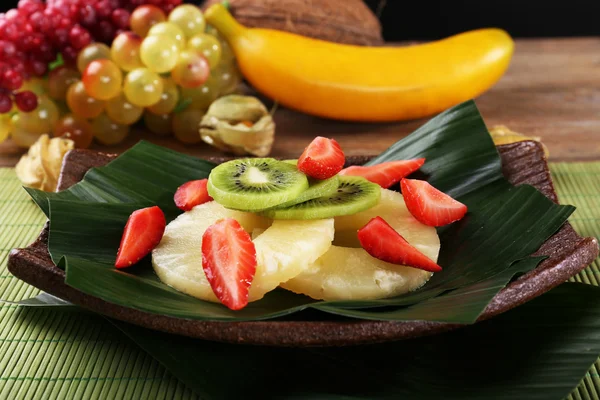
(347, 272)
(283, 250)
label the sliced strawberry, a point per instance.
(381, 241)
(191, 194)
(143, 231)
(229, 262)
(385, 174)
(429, 205)
(322, 159)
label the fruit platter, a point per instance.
(395, 247)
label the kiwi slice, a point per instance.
(354, 194)
(252, 184)
(316, 188)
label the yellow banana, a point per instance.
(356, 83)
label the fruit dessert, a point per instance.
(307, 226)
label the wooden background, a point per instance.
(551, 90)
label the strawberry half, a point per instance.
(429, 205)
(322, 159)
(191, 194)
(143, 231)
(381, 241)
(385, 174)
(229, 262)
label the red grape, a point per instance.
(37, 67)
(69, 55)
(79, 37)
(105, 32)
(87, 15)
(7, 49)
(103, 9)
(120, 18)
(61, 37)
(12, 80)
(40, 22)
(10, 31)
(28, 7)
(26, 101)
(36, 31)
(15, 17)
(45, 52)
(5, 103)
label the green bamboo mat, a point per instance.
(57, 354)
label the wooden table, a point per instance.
(551, 90)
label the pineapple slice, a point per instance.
(347, 272)
(284, 249)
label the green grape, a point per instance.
(5, 126)
(159, 124)
(122, 111)
(186, 125)
(211, 30)
(75, 128)
(159, 53)
(102, 79)
(94, 51)
(143, 87)
(209, 46)
(144, 17)
(171, 30)
(191, 71)
(82, 104)
(199, 98)
(59, 81)
(20, 135)
(189, 18)
(108, 132)
(62, 106)
(38, 86)
(125, 51)
(42, 119)
(228, 77)
(227, 55)
(168, 99)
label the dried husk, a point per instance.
(39, 168)
(240, 125)
(341, 21)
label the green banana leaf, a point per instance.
(539, 351)
(479, 254)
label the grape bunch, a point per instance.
(165, 71)
(33, 34)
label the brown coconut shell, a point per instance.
(341, 21)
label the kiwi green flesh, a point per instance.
(251, 184)
(317, 188)
(354, 194)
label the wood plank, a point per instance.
(551, 90)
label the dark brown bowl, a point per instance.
(523, 163)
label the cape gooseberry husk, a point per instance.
(240, 125)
